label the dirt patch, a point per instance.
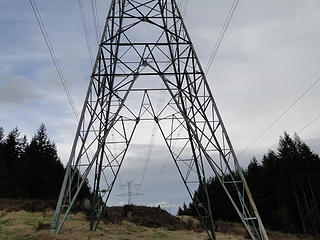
(231, 228)
(42, 226)
(35, 205)
(26, 219)
(26, 225)
(237, 229)
(154, 217)
(26, 205)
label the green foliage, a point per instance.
(286, 180)
(43, 171)
(1, 134)
(189, 211)
(31, 170)
(11, 150)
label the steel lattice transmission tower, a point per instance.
(146, 49)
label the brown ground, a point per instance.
(237, 229)
(30, 220)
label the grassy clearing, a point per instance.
(237, 229)
(22, 225)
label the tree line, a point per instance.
(285, 186)
(31, 169)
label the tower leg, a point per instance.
(190, 122)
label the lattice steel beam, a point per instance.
(145, 48)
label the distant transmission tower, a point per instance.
(129, 193)
(145, 48)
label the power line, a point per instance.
(162, 95)
(85, 29)
(221, 35)
(280, 116)
(165, 163)
(151, 144)
(309, 123)
(184, 7)
(161, 99)
(53, 55)
(180, 4)
(313, 142)
(95, 19)
(161, 171)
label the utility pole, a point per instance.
(129, 193)
(146, 48)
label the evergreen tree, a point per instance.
(1, 134)
(285, 187)
(11, 149)
(32, 170)
(3, 166)
(43, 170)
(85, 192)
(180, 211)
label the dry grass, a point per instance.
(22, 225)
(288, 236)
(237, 229)
(33, 226)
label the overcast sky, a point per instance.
(268, 58)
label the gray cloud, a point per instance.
(269, 56)
(17, 90)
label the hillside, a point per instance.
(19, 220)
